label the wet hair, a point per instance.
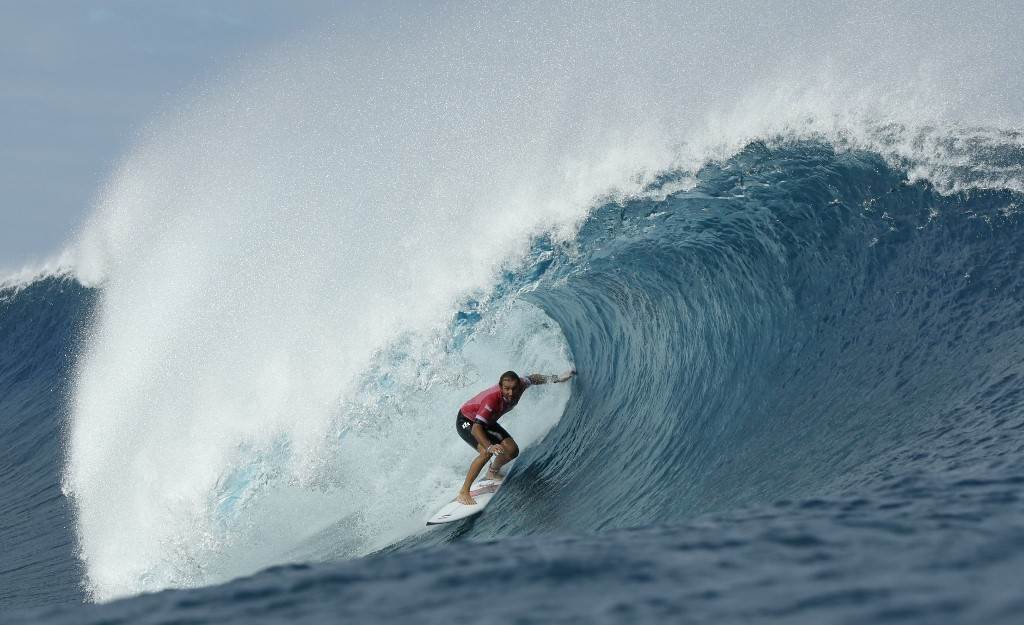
(509, 375)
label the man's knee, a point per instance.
(511, 448)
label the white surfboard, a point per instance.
(482, 492)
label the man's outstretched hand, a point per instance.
(565, 377)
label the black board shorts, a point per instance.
(495, 433)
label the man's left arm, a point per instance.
(538, 378)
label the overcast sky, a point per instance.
(78, 79)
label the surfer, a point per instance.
(477, 424)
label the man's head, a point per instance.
(509, 385)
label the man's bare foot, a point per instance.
(466, 499)
(495, 476)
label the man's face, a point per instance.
(508, 389)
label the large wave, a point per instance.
(305, 270)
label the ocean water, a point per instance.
(796, 321)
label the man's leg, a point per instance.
(511, 450)
(474, 470)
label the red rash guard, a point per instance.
(488, 405)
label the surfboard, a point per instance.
(482, 492)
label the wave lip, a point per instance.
(60, 266)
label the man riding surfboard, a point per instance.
(477, 424)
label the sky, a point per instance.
(79, 80)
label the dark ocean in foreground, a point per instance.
(799, 400)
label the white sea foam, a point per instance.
(255, 253)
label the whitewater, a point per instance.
(784, 256)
